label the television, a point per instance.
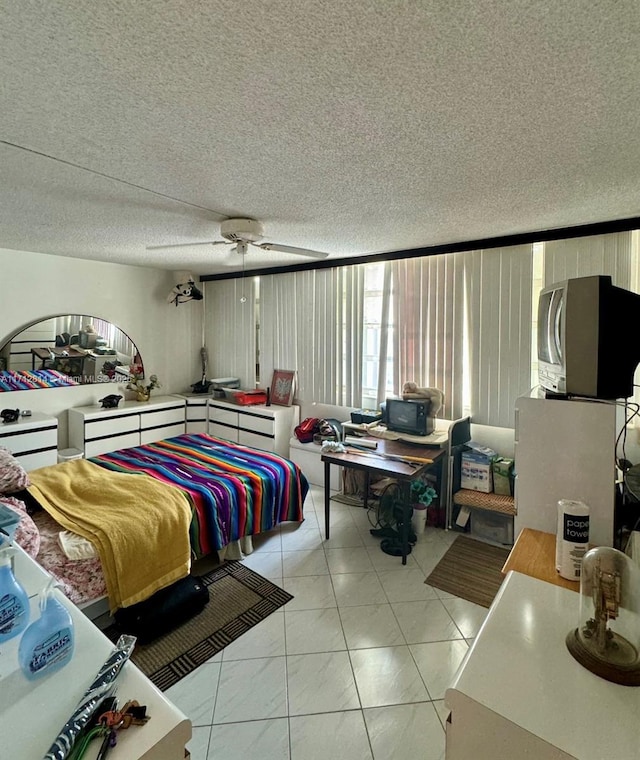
(409, 417)
(588, 343)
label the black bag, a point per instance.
(164, 611)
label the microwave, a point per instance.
(409, 417)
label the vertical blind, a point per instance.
(428, 307)
(300, 330)
(498, 286)
(456, 321)
(601, 254)
(230, 330)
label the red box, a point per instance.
(246, 398)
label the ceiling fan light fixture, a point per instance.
(245, 232)
(241, 230)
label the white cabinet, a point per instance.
(97, 431)
(520, 694)
(261, 427)
(565, 449)
(197, 412)
(32, 440)
(53, 698)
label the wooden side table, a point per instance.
(534, 554)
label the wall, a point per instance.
(35, 286)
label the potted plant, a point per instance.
(136, 384)
(422, 494)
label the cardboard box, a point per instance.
(476, 468)
(503, 476)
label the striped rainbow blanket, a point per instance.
(24, 380)
(235, 491)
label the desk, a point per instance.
(58, 353)
(372, 462)
(534, 554)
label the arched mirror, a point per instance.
(66, 350)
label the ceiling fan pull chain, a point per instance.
(242, 249)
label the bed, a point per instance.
(232, 491)
(24, 380)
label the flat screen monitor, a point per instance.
(588, 342)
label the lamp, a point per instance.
(185, 289)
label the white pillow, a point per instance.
(75, 546)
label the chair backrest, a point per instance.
(459, 434)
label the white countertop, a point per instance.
(32, 713)
(520, 668)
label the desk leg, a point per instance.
(405, 490)
(327, 498)
(366, 489)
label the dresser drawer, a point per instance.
(224, 416)
(111, 427)
(38, 459)
(163, 431)
(228, 432)
(197, 412)
(105, 445)
(31, 441)
(256, 424)
(256, 441)
(162, 417)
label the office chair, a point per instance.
(459, 434)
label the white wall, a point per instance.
(34, 286)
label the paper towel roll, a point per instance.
(572, 537)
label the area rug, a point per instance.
(239, 598)
(470, 569)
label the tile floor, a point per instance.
(355, 666)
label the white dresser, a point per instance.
(32, 713)
(520, 694)
(32, 440)
(197, 412)
(96, 431)
(263, 427)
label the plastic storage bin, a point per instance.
(8, 522)
(66, 455)
(492, 526)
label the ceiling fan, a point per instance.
(244, 233)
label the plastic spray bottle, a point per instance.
(14, 600)
(47, 644)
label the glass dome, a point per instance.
(607, 639)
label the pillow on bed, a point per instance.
(13, 476)
(27, 534)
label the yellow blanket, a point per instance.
(139, 526)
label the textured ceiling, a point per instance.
(353, 128)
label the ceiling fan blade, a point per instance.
(184, 245)
(291, 249)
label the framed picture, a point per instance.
(282, 386)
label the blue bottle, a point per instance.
(14, 601)
(47, 644)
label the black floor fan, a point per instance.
(389, 515)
